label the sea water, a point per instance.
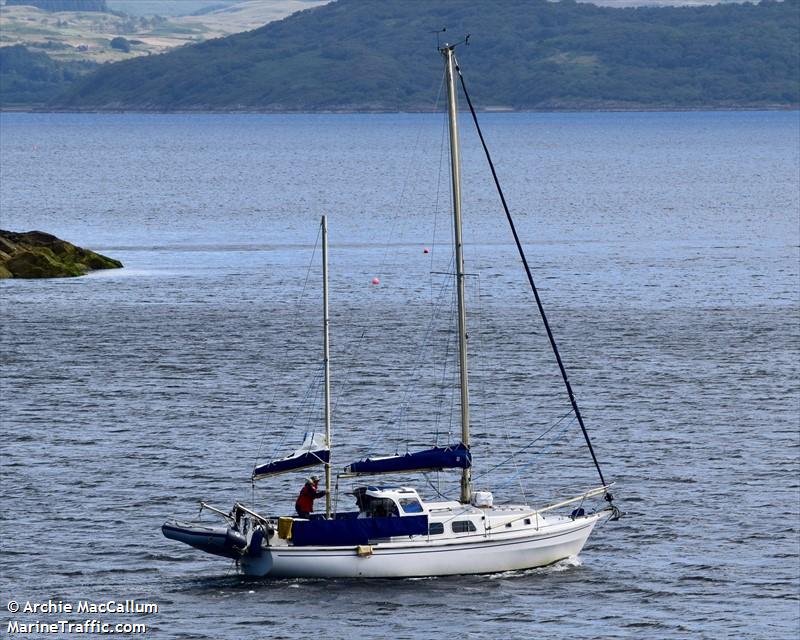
(665, 247)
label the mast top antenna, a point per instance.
(443, 47)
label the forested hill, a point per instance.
(32, 77)
(523, 54)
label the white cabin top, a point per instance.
(389, 501)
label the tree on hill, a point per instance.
(120, 43)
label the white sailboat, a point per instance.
(395, 532)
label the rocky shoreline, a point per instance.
(35, 254)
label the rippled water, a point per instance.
(666, 248)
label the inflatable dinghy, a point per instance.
(220, 540)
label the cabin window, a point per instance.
(527, 520)
(383, 507)
(435, 528)
(411, 505)
(374, 507)
(463, 526)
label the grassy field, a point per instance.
(244, 15)
(87, 35)
(164, 7)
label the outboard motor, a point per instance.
(254, 550)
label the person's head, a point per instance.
(313, 480)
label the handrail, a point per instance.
(236, 507)
(241, 507)
(205, 505)
(589, 494)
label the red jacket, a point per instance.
(305, 501)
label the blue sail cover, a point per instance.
(313, 451)
(310, 459)
(456, 456)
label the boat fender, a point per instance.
(577, 513)
(482, 499)
(285, 527)
(254, 550)
(364, 550)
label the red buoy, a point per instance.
(376, 281)
(426, 250)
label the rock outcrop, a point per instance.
(35, 254)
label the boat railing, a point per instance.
(240, 507)
(205, 505)
(233, 515)
(557, 505)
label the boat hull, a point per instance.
(470, 555)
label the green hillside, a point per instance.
(524, 54)
(32, 77)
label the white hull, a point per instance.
(472, 554)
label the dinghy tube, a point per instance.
(219, 540)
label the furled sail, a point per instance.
(455, 456)
(313, 451)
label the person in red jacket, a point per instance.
(305, 501)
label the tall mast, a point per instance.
(455, 170)
(326, 361)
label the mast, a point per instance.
(455, 170)
(326, 361)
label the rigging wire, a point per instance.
(608, 497)
(548, 445)
(437, 201)
(527, 446)
(405, 401)
(439, 393)
(454, 372)
(294, 322)
(443, 385)
(406, 180)
(435, 488)
(302, 408)
(355, 344)
(313, 396)
(476, 342)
